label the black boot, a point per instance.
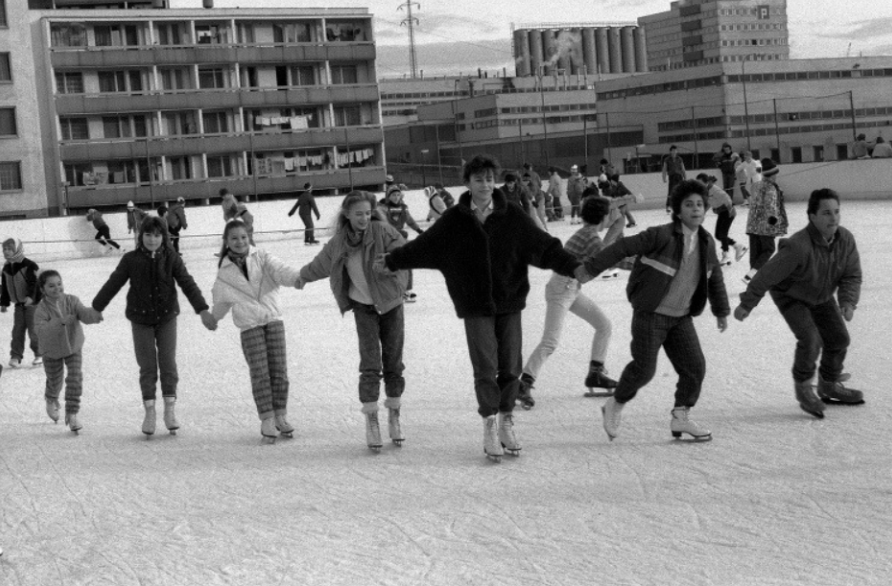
(597, 379)
(523, 393)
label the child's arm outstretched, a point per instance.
(116, 280)
(192, 292)
(85, 314)
(319, 267)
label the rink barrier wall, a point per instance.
(73, 236)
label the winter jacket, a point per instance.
(673, 168)
(726, 162)
(234, 209)
(808, 268)
(575, 187)
(135, 216)
(554, 189)
(386, 288)
(96, 218)
(398, 216)
(659, 251)
(518, 195)
(485, 265)
(58, 325)
(305, 204)
(254, 299)
(767, 213)
(751, 171)
(436, 203)
(176, 217)
(19, 280)
(152, 298)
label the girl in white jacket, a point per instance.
(248, 281)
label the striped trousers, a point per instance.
(264, 349)
(55, 375)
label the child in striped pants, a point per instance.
(248, 281)
(57, 321)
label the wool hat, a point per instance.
(574, 168)
(392, 189)
(181, 199)
(388, 179)
(769, 167)
(129, 205)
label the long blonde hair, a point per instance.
(353, 198)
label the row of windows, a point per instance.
(529, 120)
(683, 124)
(204, 33)
(753, 27)
(185, 78)
(777, 10)
(419, 95)
(754, 42)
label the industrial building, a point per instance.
(133, 101)
(579, 49)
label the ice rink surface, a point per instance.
(777, 498)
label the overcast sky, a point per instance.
(461, 35)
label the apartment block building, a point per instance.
(143, 103)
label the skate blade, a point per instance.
(287, 434)
(678, 435)
(172, 431)
(511, 452)
(593, 393)
(375, 449)
(494, 458)
(817, 414)
(837, 402)
(398, 442)
(527, 406)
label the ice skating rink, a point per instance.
(777, 498)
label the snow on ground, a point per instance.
(778, 498)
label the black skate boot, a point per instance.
(524, 397)
(597, 379)
(835, 393)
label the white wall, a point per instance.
(72, 237)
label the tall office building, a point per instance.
(132, 101)
(700, 32)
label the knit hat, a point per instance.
(391, 189)
(574, 168)
(129, 205)
(388, 179)
(17, 248)
(769, 167)
(181, 199)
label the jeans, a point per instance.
(761, 249)
(381, 338)
(563, 294)
(678, 338)
(156, 350)
(722, 227)
(22, 323)
(495, 346)
(816, 327)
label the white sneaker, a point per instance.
(726, 258)
(612, 417)
(14, 363)
(38, 360)
(740, 249)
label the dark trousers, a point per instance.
(495, 346)
(728, 180)
(309, 231)
(744, 192)
(23, 323)
(104, 237)
(678, 338)
(761, 249)
(816, 327)
(673, 181)
(156, 351)
(175, 238)
(381, 338)
(722, 227)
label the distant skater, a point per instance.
(809, 267)
(376, 300)
(306, 207)
(135, 216)
(58, 323)
(767, 218)
(103, 236)
(21, 291)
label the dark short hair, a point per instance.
(673, 147)
(590, 190)
(510, 178)
(153, 224)
(685, 189)
(552, 170)
(223, 191)
(594, 210)
(44, 276)
(479, 164)
(817, 196)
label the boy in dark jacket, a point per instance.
(305, 206)
(484, 246)
(176, 221)
(20, 289)
(103, 236)
(676, 271)
(801, 278)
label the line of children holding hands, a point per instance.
(483, 246)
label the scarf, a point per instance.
(239, 261)
(353, 238)
(18, 248)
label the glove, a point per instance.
(772, 220)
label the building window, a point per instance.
(211, 79)
(3, 13)
(295, 32)
(842, 152)
(68, 35)
(79, 175)
(819, 154)
(116, 35)
(796, 154)
(74, 129)
(5, 69)
(343, 74)
(344, 32)
(219, 166)
(70, 82)
(175, 79)
(120, 81)
(215, 122)
(212, 34)
(7, 122)
(172, 34)
(10, 176)
(347, 116)
(303, 75)
(180, 168)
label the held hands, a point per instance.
(740, 313)
(848, 312)
(582, 275)
(722, 323)
(3, 309)
(28, 302)
(209, 321)
(299, 284)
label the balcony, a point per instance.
(173, 55)
(215, 99)
(178, 146)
